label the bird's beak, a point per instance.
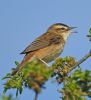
(70, 28)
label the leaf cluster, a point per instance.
(33, 76)
(77, 86)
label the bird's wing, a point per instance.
(41, 42)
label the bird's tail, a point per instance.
(26, 59)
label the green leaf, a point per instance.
(5, 90)
(90, 31)
(20, 90)
(7, 76)
(17, 92)
(17, 63)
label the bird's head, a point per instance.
(61, 29)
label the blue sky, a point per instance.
(21, 21)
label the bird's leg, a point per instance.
(43, 61)
(35, 57)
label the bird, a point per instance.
(48, 46)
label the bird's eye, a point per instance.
(62, 28)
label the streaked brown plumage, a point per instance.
(48, 46)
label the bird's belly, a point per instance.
(49, 53)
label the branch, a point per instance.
(36, 96)
(81, 60)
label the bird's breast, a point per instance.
(50, 53)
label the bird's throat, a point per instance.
(65, 36)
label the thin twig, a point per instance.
(36, 96)
(81, 60)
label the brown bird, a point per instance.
(48, 46)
